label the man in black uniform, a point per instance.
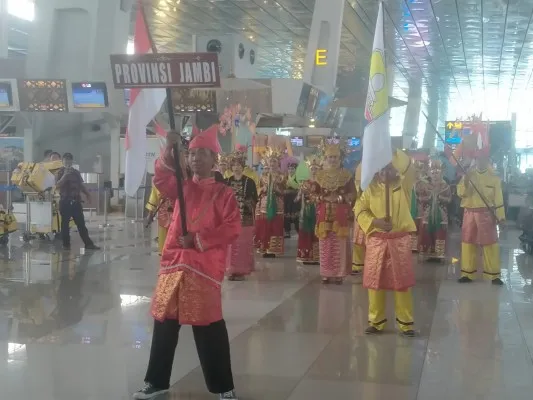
(70, 184)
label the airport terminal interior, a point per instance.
(368, 232)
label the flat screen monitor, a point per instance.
(297, 141)
(89, 95)
(353, 142)
(314, 140)
(6, 95)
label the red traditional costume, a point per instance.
(434, 195)
(242, 254)
(188, 289)
(388, 261)
(334, 214)
(308, 251)
(421, 171)
(269, 222)
(359, 242)
(480, 223)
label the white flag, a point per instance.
(144, 106)
(377, 151)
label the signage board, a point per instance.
(163, 70)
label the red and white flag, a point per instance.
(144, 106)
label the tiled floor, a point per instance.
(77, 328)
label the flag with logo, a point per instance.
(377, 149)
(144, 106)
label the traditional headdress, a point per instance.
(313, 161)
(271, 155)
(237, 157)
(333, 147)
(223, 158)
(435, 163)
(207, 139)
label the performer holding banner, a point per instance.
(434, 195)
(242, 261)
(388, 261)
(308, 251)
(480, 222)
(269, 232)
(188, 290)
(383, 211)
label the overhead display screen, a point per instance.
(297, 141)
(43, 95)
(353, 142)
(89, 95)
(455, 131)
(6, 95)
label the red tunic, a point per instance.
(189, 282)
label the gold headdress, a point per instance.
(333, 147)
(313, 160)
(271, 154)
(237, 157)
(223, 159)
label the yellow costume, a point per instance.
(479, 225)
(164, 213)
(388, 261)
(358, 251)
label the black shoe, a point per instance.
(409, 333)
(148, 392)
(497, 282)
(92, 247)
(372, 330)
(66, 247)
(464, 279)
(268, 255)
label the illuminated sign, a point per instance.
(454, 125)
(321, 57)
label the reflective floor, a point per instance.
(77, 327)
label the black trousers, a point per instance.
(292, 212)
(212, 344)
(73, 209)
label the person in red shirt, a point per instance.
(193, 264)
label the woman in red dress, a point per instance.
(242, 260)
(308, 252)
(269, 224)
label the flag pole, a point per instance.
(176, 146)
(463, 170)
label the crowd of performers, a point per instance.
(345, 230)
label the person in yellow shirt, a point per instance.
(359, 249)
(388, 259)
(164, 209)
(479, 222)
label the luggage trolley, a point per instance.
(40, 214)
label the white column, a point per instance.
(322, 60)
(412, 115)
(3, 28)
(28, 145)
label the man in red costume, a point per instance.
(188, 290)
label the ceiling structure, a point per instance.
(468, 55)
(474, 55)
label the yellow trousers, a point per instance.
(403, 302)
(358, 257)
(491, 260)
(161, 237)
